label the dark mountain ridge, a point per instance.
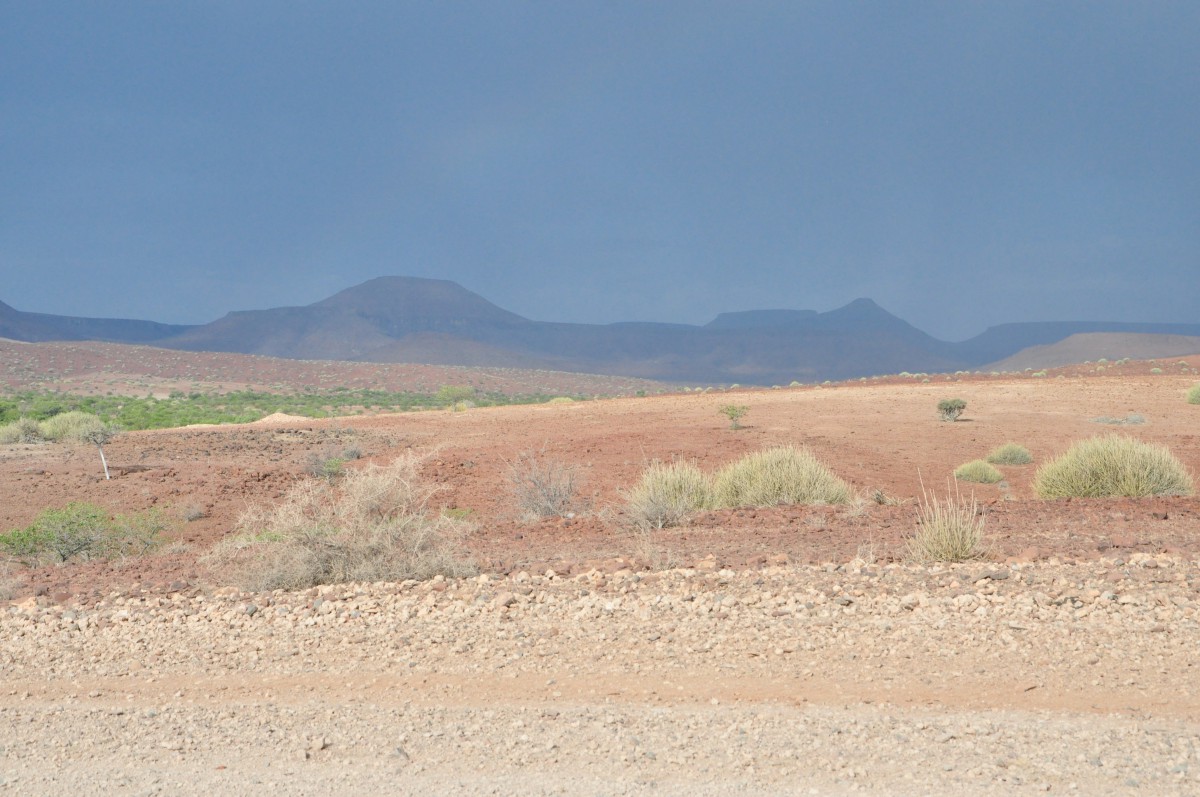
(408, 319)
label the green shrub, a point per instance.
(449, 395)
(667, 495)
(561, 400)
(947, 531)
(71, 425)
(374, 524)
(1010, 454)
(978, 470)
(781, 475)
(735, 413)
(84, 531)
(1193, 394)
(22, 430)
(325, 464)
(951, 409)
(1113, 466)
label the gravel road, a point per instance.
(866, 679)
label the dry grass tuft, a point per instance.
(947, 531)
(1010, 454)
(781, 475)
(374, 524)
(979, 472)
(1113, 466)
(667, 495)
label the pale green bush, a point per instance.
(73, 425)
(1193, 394)
(1113, 466)
(979, 471)
(947, 531)
(22, 430)
(1010, 454)
(667, 495)
(951, 409)
(781, 475)
(84, 531)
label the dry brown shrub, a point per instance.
(542, 488)
(374, 524)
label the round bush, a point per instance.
(1193, 394)
(782, 475)
(667, 494)
(1113, 466)
(978, 471)
(73, 425)
(1010, 454)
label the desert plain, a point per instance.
(780, 650)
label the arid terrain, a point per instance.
(753, 651)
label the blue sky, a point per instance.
(962, 163)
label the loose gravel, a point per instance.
(835, 679)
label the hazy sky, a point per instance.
(962, 163)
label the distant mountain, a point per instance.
(408, 319)
(1092, 346)
(1005, 340)
(35, 327)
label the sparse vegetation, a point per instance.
(1010, 454)
(781, 475)
(192, 512)
(326, 468)
(667, 495)
(182, 409)
(978, 471)
(83, 531)
(1113, 466)
(1133, 419)
(542, 488)
(374, 524)
(22, 430)
(951, 409)
(883, 499)
(735, 413)
(99, 436)
(947, 531)
(1193, 394)
(71, 425)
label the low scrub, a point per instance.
(73, 425)
(1113, 466)
(781, 475)
(947, 531)
(22, 430)
(373, 524)
(1133, 419)
(667, 495)
(951, 409)
(1010, 454)
(84, 531)
(542, 488)
(978, 471)
(1193, 394)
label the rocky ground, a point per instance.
(786, 650)
(836, 679)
